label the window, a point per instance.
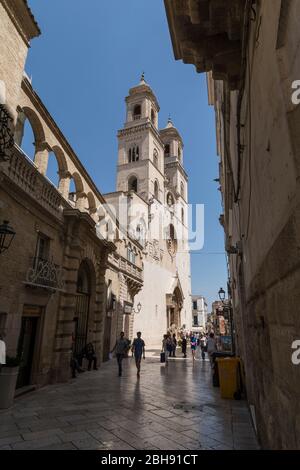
(182, 215)
(156, 189)
(130, 254)
(195, 304)
(43, 247)
(167, 150)
(137, 111)
(155, 158)
(152, 116)
(133, 184)
(179, 153)
(182, 189)
(195, 320)
(134, 154)
(170, 200)
(171, 240)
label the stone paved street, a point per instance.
(174, 408)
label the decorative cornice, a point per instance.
(23, 19)
(135, 129)
(209, 34)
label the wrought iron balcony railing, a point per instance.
(44, 273)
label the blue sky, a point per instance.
(89, 55)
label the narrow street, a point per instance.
(174, 408)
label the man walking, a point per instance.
(121, 348)
(138, 348)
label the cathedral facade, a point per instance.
(151, 203)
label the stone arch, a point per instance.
(170, 199)
(40, 156)
(35, 122)
(171, 240)
(61, 159)
(64, 175)
(91, 203)
(133, 183)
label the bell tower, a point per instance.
(140, 148)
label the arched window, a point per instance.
(134, 154)
(170, 200)
(171, 240)
(155, 158)
(182, 189)
(167, 150)
(156, 189)
(133, 184)
(137, 111)
(182, 215)
(152, 116)
(179, 153)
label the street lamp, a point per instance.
(228, 308)
(7, 234)
(222, 294)
(139, 307)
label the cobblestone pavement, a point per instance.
(174, 408)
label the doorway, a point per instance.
(28, 344)
(82, 309)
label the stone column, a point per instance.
(64, 183)
(81, 202)
(41, 157)
(19, 130)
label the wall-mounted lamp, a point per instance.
(7, 235)
(139, 308)
(222, 294)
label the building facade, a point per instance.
(251, 53)
(151, 201)
(199, 313)
(66, 276)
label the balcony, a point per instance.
(44, 273)
(130, 269)
(24, 173)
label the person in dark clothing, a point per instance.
(183, 346)
(174, 345)
(91, 356)
(121, 348)
(138, 348)
(75, 367)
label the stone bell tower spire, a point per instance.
(141, 152)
